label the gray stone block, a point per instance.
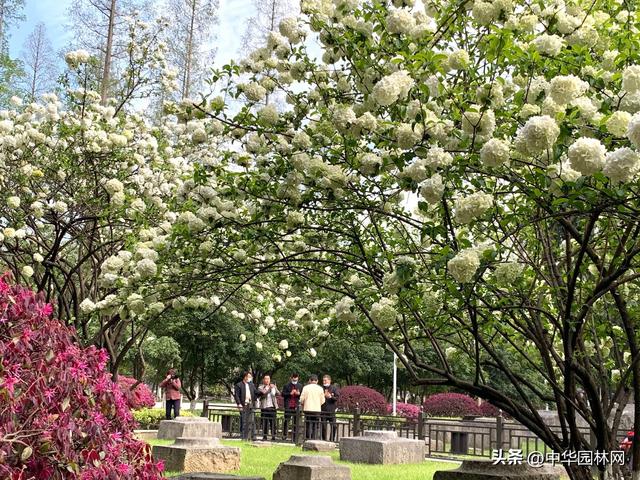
(213, 476)
(189, 427)
(318, 446)
(381, 447)
(311, 467)
(198, 455)
(485, 470)
(146, 435)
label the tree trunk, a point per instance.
(106, 73)
(189, 55)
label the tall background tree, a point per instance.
(10, 68)
(190, 39)
(39, 63)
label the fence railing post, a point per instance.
(205, 408)
(357, 430)
(299, 428)
(421, 425)
(499, 432)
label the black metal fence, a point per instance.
(443, 437)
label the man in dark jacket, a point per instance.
(246, 394)
(331, 396)
(291, 395)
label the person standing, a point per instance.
(171, 385)
(291, 394)
(312, 399)
(331, 396)
(245, 394)
(268, 406)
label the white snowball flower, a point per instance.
(464, 265)
(565, 88)
(262, 330)
(437, 157)
(254, 92)
(87, 306)
(458, 60)
(633, 130)
(9, 232)
(13, 202)
(495, 152)
(243, 337)
(370, 163)
(146, 268)
(631, 79)
(290, 29)
(258, 345)
(283, 345)
(312, 352)
(76, 58)
(548, 44)
(472, 206)
(618, 123)
(507, 273)
(400, 21)
(407, 136)
(27, 271)
(622, 165)
(392, 88)
(479, 122)
(38, 258)
(587, 155)
(432, 189)
(60, 207)
(113, 185)
(537, 135)
(384, 313)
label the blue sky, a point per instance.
(233, 14)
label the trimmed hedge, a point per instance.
(150, 418)
(406, 410)
(450, 405)
(369, 400)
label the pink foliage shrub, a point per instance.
(406, 410)
(139, 397)
(450, 405)
(61, 415)
(369, 400)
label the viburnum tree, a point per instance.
(461, 174)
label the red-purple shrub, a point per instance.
(406, 410)
(450, 405)
(489, 410)
(139, 397)
(61, 415)
(366, 398)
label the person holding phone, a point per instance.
(171, 385)
(291, 395)
(331, 396)
(267, 393)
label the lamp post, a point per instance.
(395, 383)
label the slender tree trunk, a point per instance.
(189, 57)
(106, 73)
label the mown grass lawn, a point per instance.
(263, 461)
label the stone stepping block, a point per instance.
(190, 427)
(318, 446)
(381, 447)
(214, 476)
(486, 470)
(311, 467)
(198, 455)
